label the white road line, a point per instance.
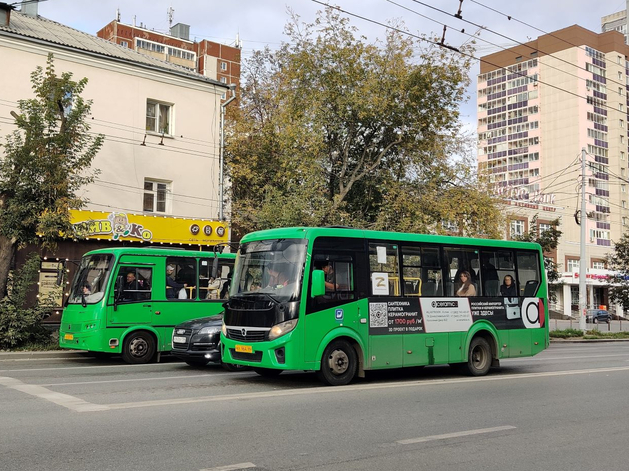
(564, 358)
(92, 366)
(231, 467)
(455, 435)
(65, 400)
(358, 387)
(133, 380)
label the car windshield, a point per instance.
(270, 267)
(91, 279)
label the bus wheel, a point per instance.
(339, 363)
(268, 372)
(479, 358)
(138, 347)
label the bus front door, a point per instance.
(132, 299)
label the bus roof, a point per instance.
(312, 232)
(157, 251)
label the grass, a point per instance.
(590, 334)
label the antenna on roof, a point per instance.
(118, 14)
(171, 13)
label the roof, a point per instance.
(43, 29)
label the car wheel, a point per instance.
(268, 372)
(138, 347)
(196, 362)
(232, 367)
(338, 364)
(479, 357)
(595, 321)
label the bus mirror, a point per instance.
(318, 283)
(215, 268)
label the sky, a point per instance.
(261, 22)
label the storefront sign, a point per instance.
(143, 228)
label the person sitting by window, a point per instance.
(172, 287)
(508, 288)
(130, 288)
(467, 288)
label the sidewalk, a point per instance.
(60, 354)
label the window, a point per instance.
(181, 271)
(622, 155)
(124, 43)
(598, 265)
(620, 107)
(460, 262)
(223, 79)
(158, 117)
(528, 273)
(383, 269)
(155, 196)
(421, 271)
(133, 284)
(517, 228)
(209, 287)
(572, 264)
(223, 65)
(543, 227)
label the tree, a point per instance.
(333, 130)
(618, 262)
(46, 161)
(549, 240)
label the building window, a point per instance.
(223, 65)
(158, 117)
(124, 43)
(623, 188)
(223, 79)
(572, 264)
(155, 196)
(622, 155)
(543, 227)
(620, 107)
(517, 228)
(598, 265)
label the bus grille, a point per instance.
(247, 335)
(256, 356)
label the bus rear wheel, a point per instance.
(138, 347)
(479, 358)
(338, 364)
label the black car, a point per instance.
(597, 315)
(198, 342)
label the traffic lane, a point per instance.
(121, 383)
(349, 428)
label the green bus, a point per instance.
(128, 300)
(353, 300)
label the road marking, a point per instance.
(564, 358)
(455, 435)
(358, 387)
(92, 366)
(156, 378)
(65, 400)
(231, 467)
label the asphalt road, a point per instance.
(565, 409)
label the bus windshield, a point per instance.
(270, 267)
(90, 280)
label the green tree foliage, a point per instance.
(618, 261)
(46, 161)
(20, 324)
(334, 130)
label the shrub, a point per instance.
(20, 323)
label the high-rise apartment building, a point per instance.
(214, 60)
(539, 105)
(615, 22)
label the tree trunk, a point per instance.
(7, 250)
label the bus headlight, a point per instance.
(282, 329)
(224, 329)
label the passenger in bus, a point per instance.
(508, 288)
(130, 288)
(172, 287)
(87, 290)
(277, 276)
(467, 287)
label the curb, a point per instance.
(578, 340)
(37, 355)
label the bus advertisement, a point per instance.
(342, 301)
(128, 300)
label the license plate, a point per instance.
(68, 337)
(177, 339)
(244, 349)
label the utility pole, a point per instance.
(582, 261)
(221, 178)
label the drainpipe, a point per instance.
(221, 178)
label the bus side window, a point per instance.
(528, 273)
(135, 283)
(383, 269)
(185, 272)
(421, 271)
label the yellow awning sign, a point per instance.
(134, 227)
